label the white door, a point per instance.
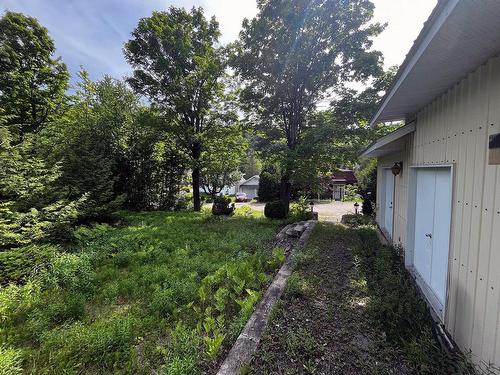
(389, 201)
(432, 229)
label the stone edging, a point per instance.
(247, 342)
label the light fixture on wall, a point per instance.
(397, 168)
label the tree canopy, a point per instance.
(32, 81)
(294, 54)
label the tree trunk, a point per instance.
(285, 190)
(196, 189)
(195, 175)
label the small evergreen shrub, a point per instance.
(275, 210)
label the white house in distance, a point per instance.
(442, 203)
(250, 187)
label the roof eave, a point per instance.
(374, 149)
(436, 20)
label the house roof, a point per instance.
(459, 36)
(345, 176)
(389, 144)
(252, 181)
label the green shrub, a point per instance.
(300, 210)
(367, 206)
(10, 361)
(275, 210)
(122, 260)
(222, 206)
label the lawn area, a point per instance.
(350, 307)
(161, 293)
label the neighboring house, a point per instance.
(443, 206)
(227, 190)
(231, 190)
(339, 181)
(250, 187)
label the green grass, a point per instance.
(166, 293)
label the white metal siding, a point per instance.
(454, 129)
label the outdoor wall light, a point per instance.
(397, 168)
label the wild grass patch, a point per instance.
(166, 293)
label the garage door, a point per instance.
(250, 191)
(432, 231)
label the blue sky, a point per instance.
(91, 33)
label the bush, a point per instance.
(300, 210)
(275, 210)
(269, 187)
(222, 206)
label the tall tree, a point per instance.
(32, 82)
(177, 66)
(88, 142)
(293, 54)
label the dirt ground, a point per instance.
(321, 326)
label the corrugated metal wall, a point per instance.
(454, 129)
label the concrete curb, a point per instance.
(247, 342)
